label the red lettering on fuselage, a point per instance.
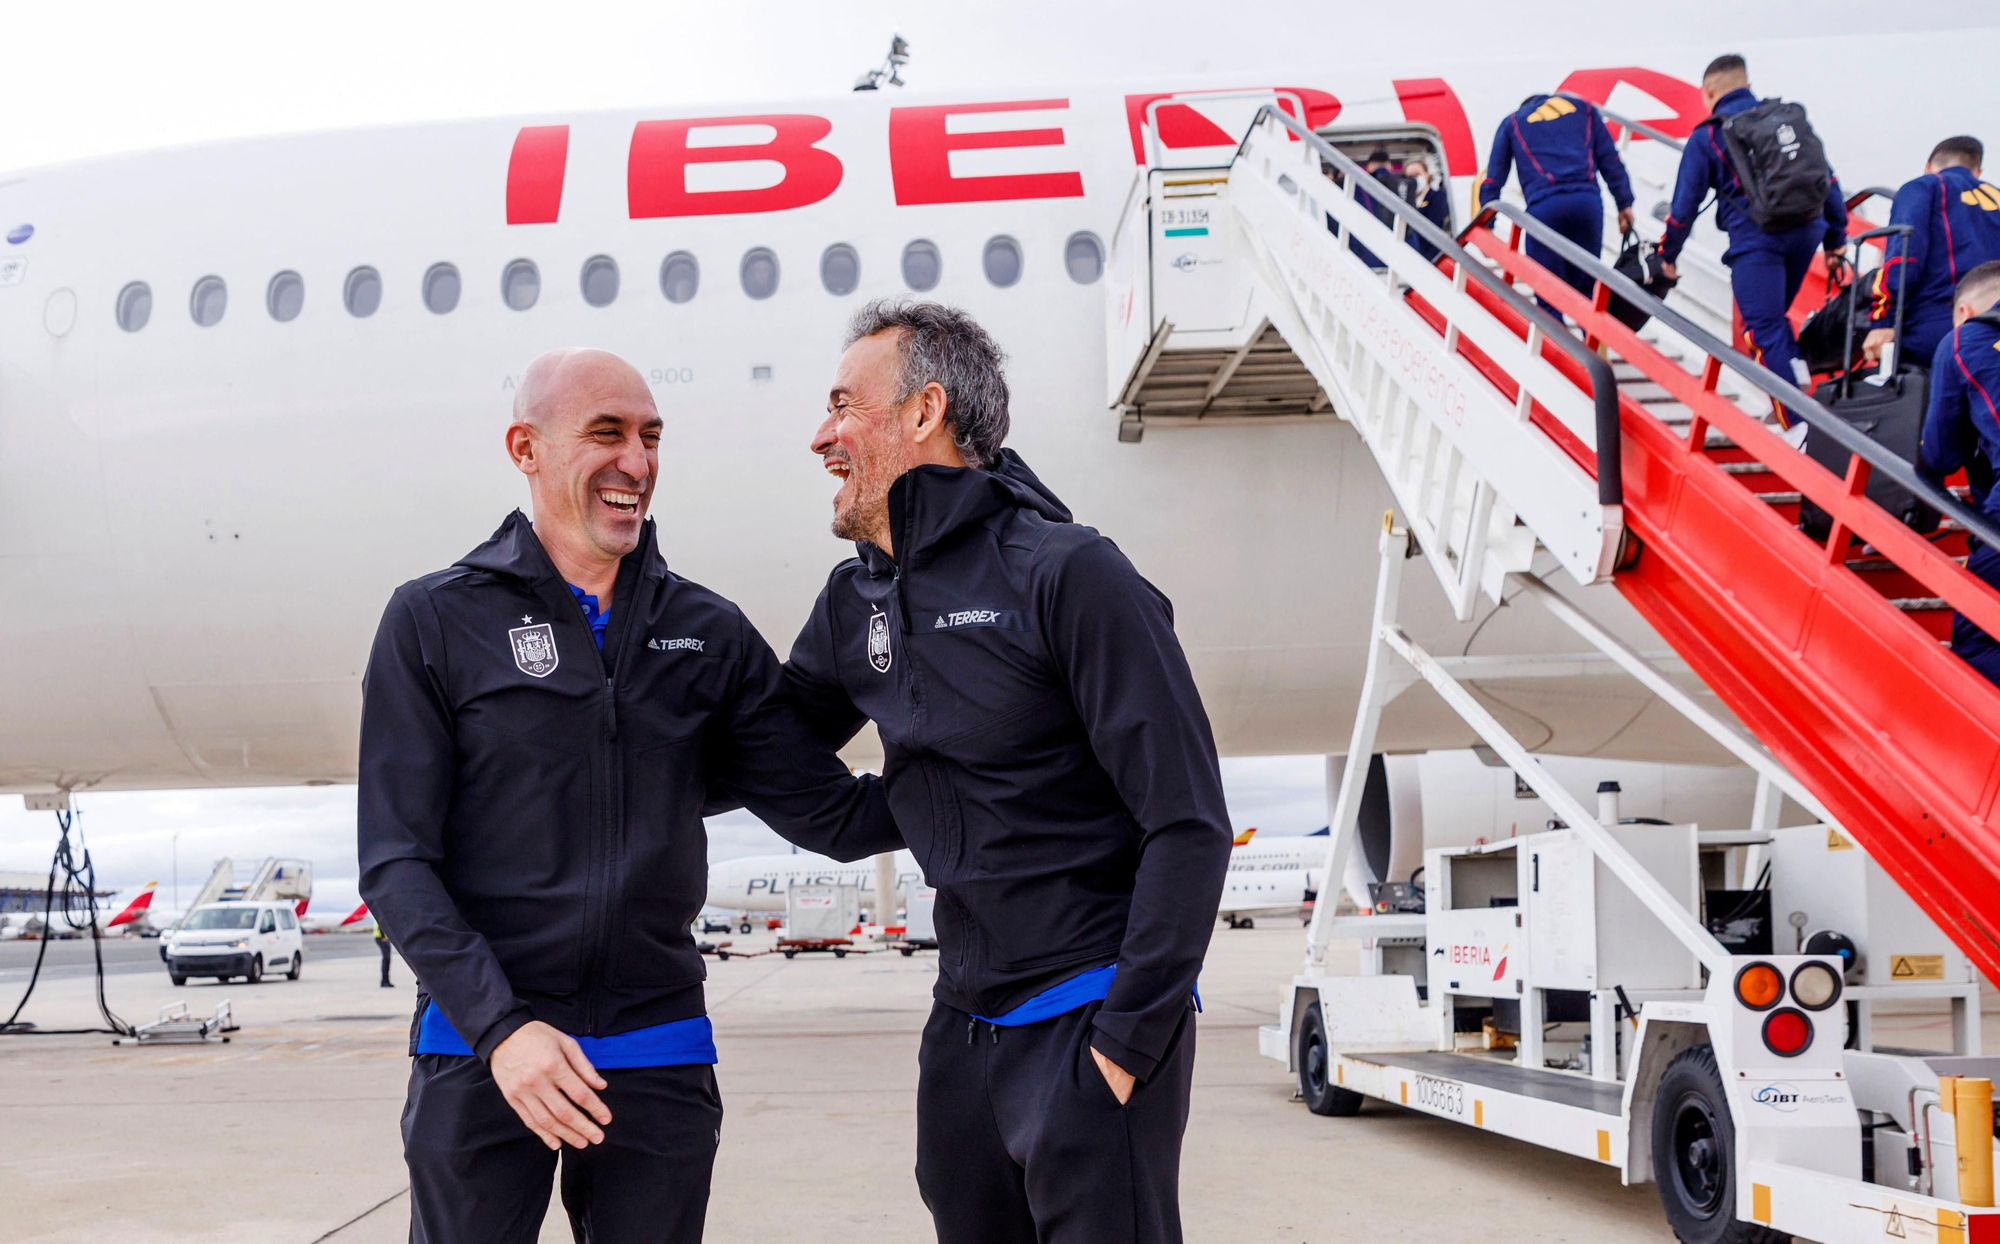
(656, 166)
(1182, 126)
(1684, 98)
(535, 174)
(920, 156)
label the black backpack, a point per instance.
(1779, 161)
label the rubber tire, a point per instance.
(744, 928)
(298, 965)
(1322, 1096)
(1690, 1109)
(839, 952)
(177, 980)
(909, 951)
(256, 974)
(791, 954)
(1246, 923)
(722, 956)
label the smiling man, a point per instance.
(542, 725)
(1053, 771)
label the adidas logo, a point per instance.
(1982, 196)
(1555, 107)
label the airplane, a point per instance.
(760, 882)
(356, 921)
(1271, 877)
(137, 916)
(283, 366)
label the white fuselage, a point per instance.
(199, 525)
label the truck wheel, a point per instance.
(791, 954)
(256, 972)
(178, 980)
(908, 951)
(840, 952)
(1316, 1084)
(1694, 1155)
(298, 965)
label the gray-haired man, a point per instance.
(1050, 765)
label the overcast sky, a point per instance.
(80, 80)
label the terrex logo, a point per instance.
(966, 617)
(675, 645)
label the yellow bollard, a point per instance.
(1972, 1115)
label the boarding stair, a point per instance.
(274, 879)
(1646, 460)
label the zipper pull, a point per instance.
(611, 707)
(970, 1024)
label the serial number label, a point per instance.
(1176, 217)
(1443, 1096)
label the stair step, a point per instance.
(1781, 498)
(1745, 468)
(1920, 604)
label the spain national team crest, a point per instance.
(878, 641)
(535, 649)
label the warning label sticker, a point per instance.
(1837, 841)
(1916, 967)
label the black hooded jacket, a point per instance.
(530, 808)
(1047, 755)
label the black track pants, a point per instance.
(1020, 1141)
(479, 1176)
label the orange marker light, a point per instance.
(1759, 986)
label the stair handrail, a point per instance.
(1653, 132)
(1815, 416)
(1603, 382)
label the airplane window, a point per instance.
(285, 296)
(840, 268)
(208, 301)
(1083, 255)
(600, 280)
(521, 284)
(135, 306)
(759, 272)
(680, 276)
(1002, 260)
(441, 288)
(363, 292)
(921, 265)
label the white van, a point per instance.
(235, 939)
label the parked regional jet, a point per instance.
(135, 917)
(248, 388)
(356, 921)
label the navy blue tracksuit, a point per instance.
(1954, 221)
(1765, 269)
(1964, 421)
(1051, 768)
(1560, 147)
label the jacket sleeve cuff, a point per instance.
(510, 1023)
(1139, 1065)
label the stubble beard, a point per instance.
(863, 519)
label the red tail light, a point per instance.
(1787, 1033)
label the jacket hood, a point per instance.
(927, 504)
(514, 549)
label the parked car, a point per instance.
(228, 939)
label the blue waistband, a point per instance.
(683, 1042)
(1080, 990)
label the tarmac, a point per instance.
(288, 1133)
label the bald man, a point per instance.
(542, 725)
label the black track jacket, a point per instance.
(1046, 751)
(530, 809)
